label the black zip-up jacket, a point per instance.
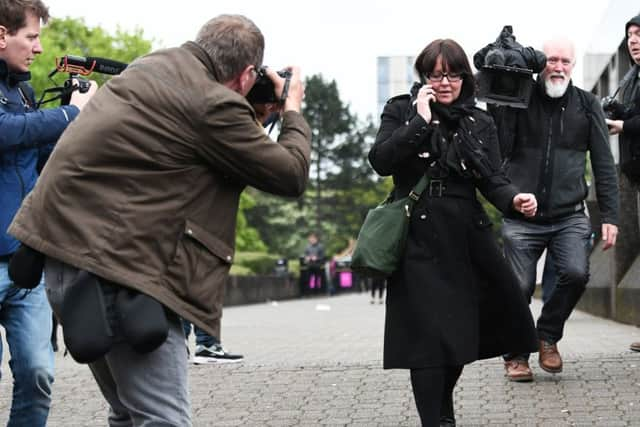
(629, 138)
(545, 149)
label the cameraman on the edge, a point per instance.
(27, 136)
(143, 191)
(627, 122)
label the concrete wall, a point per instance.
(260, 289)
(613, 290)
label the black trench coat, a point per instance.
(454, 298)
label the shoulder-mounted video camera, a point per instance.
(504, 85)
(78, 66)
(264, 91)
(505, 70)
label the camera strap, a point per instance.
(285, 89)
(274, 117)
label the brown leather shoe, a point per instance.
(549, 358)
(518, 370)
(635, 346)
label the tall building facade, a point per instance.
(395, 76)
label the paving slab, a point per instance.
(317, 362)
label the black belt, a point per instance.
(444, 188)
(5, 258)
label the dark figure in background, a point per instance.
(626, 123)
(27, 136)
(377, 284)
(453, 299)
(546, 148)
(314, 259)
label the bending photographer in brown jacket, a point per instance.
(142, 192)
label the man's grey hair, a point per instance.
(232, 42)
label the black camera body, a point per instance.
(264, 91)
(613, 109)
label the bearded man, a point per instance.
(548, 145)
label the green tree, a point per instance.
(355, 187)
(281, 222)
(71, 36)
(330, 120)
(247, 237)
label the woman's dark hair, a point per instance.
(454, 59)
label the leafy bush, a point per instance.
(248, 263)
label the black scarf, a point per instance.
(453, 143)
(449, 115)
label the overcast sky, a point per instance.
(342, 38)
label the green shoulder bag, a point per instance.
(383, 235)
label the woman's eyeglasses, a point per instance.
(437, 76)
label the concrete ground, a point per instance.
(317, 362)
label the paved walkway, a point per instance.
(317, 362)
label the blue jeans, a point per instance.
(202, 338)
(567, 240)
(26, 319)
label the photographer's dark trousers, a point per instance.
(568, 241)
(142, 389)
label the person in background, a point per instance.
(454, 299)
(168, 145)
(314, 259)
(549, 143)
(27, 136)
(626, 123)
(377, 284)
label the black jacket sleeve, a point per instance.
(631, 127)
(493, 183)
(604, 170)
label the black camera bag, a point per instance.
(142, 320)
(87, 333)
(25, 267)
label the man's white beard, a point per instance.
(556, 90)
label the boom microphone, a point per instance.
(87, 65)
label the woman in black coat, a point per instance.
(454, 299)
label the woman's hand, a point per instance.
(526, 204)
(425, 96)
